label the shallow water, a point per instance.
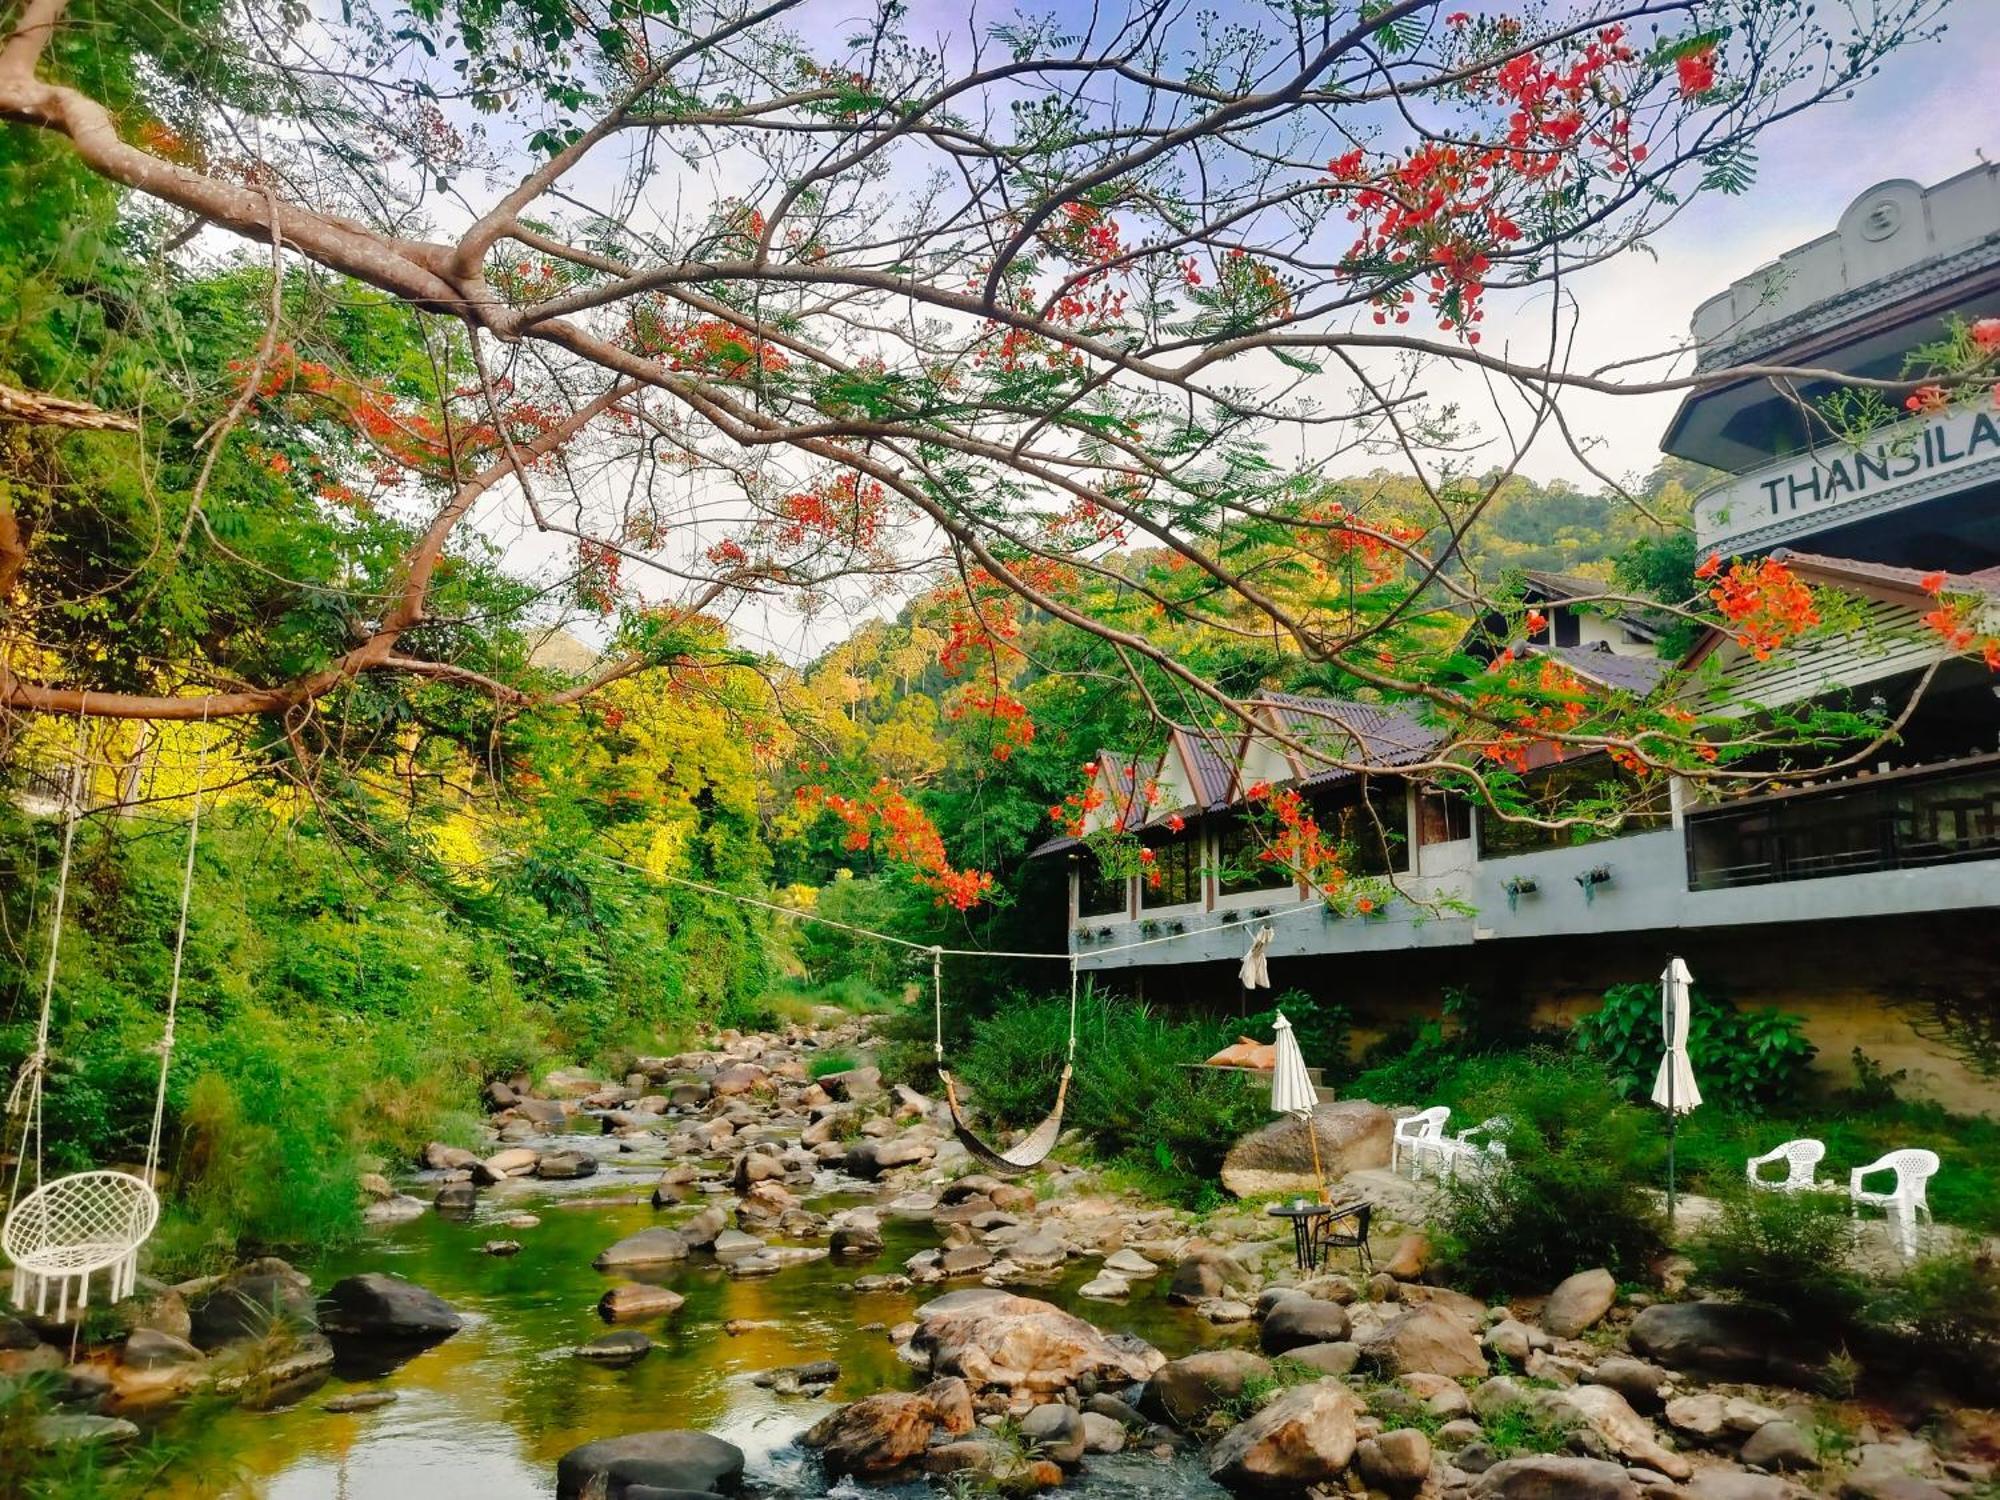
(485, 1414)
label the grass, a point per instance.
(832, 1062)
(1526, 1427)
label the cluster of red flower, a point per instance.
(847, 508)
(1956, 621)
(909, 838)
(1014, 730)
(1762, 600)
(1550, 705)
(597, 574)
(1378, 546)
(1299, 844)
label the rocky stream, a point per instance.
(721, 1274)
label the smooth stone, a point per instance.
(623, 1346)
(359, 1401)
(633, 1300)
(1306, 1437)
(674, 1459)
(378, 1306)
(649, 1247)
(1579, 1302)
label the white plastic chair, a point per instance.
(1913, 1167)
(1417, 1134)
(1801, 1159)
(1462, 1150)
(67, 1230)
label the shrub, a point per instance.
(1132, 1093)
(1790, 1251)
(1324, 1031)
(1749, 1059)
(831, 1062)
(1574, 1191)
(1944, 1313)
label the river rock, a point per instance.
(1730, 1340)
(740, 1078)
(703, 1230)
(1554, 1477)
(995, 1338)
(358, 1401)
(512, 1161)
(398, 1209)
(790, 1380)
(1735, 1484)
(1182, 1391)
(1056, 1431)
(670, 1460)
(149, 1349)
(1644, 1385)
(77, 1429)
(1206, 1272)
(1130, 1264)
(563, 1166)
(1579, 1302)
(1515, 1340)
(620, 1347)
(249, 1303)
(854, 1084)
(549, 1114)
(649, 1247)
(1105, 1287)
(1297, 1321)
(376, 1306)
(1398, 1461)
(456, 1197)
(1328, 1359)
(1624, 1431)
(1353, 1135)
(1306, 1437)
(886, 1433)
(630, 1301)
(1779, 1446)
(857, 1240)
(438, 1157)
(1425, 1339)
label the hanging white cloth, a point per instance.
(1256, 970)
(1674, 1089)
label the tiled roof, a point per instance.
(1378, 734)
(1213, 752)
(1628, 674)
(1854, 570)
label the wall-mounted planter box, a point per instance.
(1591, 879)
(1519, 886)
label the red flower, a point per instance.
(1364, 906)
(1176, 823)
(1931, 583)
(1145, 856)
(1986, 335)
(1537, 622)
(1927, 398)
(1710, 566)
(1696, 70)
(1258, 791)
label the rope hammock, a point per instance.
(1032, 1149)
(64, 1232)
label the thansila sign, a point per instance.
(1841, 481)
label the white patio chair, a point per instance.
(1419, 1134)
(1801, 1159)
(1462, 1150)
(1913, 1167)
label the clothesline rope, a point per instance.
(935, 949)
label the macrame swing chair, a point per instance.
(64, 1232)
(1032, 1149)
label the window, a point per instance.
(1568, 628)
(1099, 895)
(1177, 863)
(1442, 818)
(1557, 791)
(1240, 869)
(1374, 829)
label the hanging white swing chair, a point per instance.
(65, 1231)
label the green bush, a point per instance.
(1133, 1094)
(1943, 1316)
(832, 1062)
(1325, 1031)
(1573, 1192)
(1790, 1251)
(1749, 1059)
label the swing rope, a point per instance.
(1034, 1147)
(180, 950)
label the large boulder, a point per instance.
(379, 1307)
(1579, 1302)
(886, 1433)
(1055, 1430)
(1205, 1273)
(672, 1460)
(996, 1338)
(1353, 1134)
(1624, 1431)
(854, 1084)
(564, 1166)
(649, 1247)
(1182, 1391)
(1304, 1438)
(1729, 1340)
(1555, 1477)
(1297, 1321)
(1425, 1340)
(250, 1303)
(1398, 1461)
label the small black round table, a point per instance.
(1302, 1215)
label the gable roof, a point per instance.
(1637, 675)
(1379, 735)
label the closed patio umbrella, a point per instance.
(1674, 1088)
(1292, 1091)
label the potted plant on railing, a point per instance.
(1149, 928)
(1518, 886)
(1591, 879)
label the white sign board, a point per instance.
(1840, 482)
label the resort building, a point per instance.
(1864, 897)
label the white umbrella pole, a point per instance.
(1673, 1114)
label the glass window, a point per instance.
(1101, 895)
(1177, 863)
(1240, 870)
(1555, 792)
(1373, 829)
(1442, 818)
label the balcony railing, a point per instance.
(1899, 820)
